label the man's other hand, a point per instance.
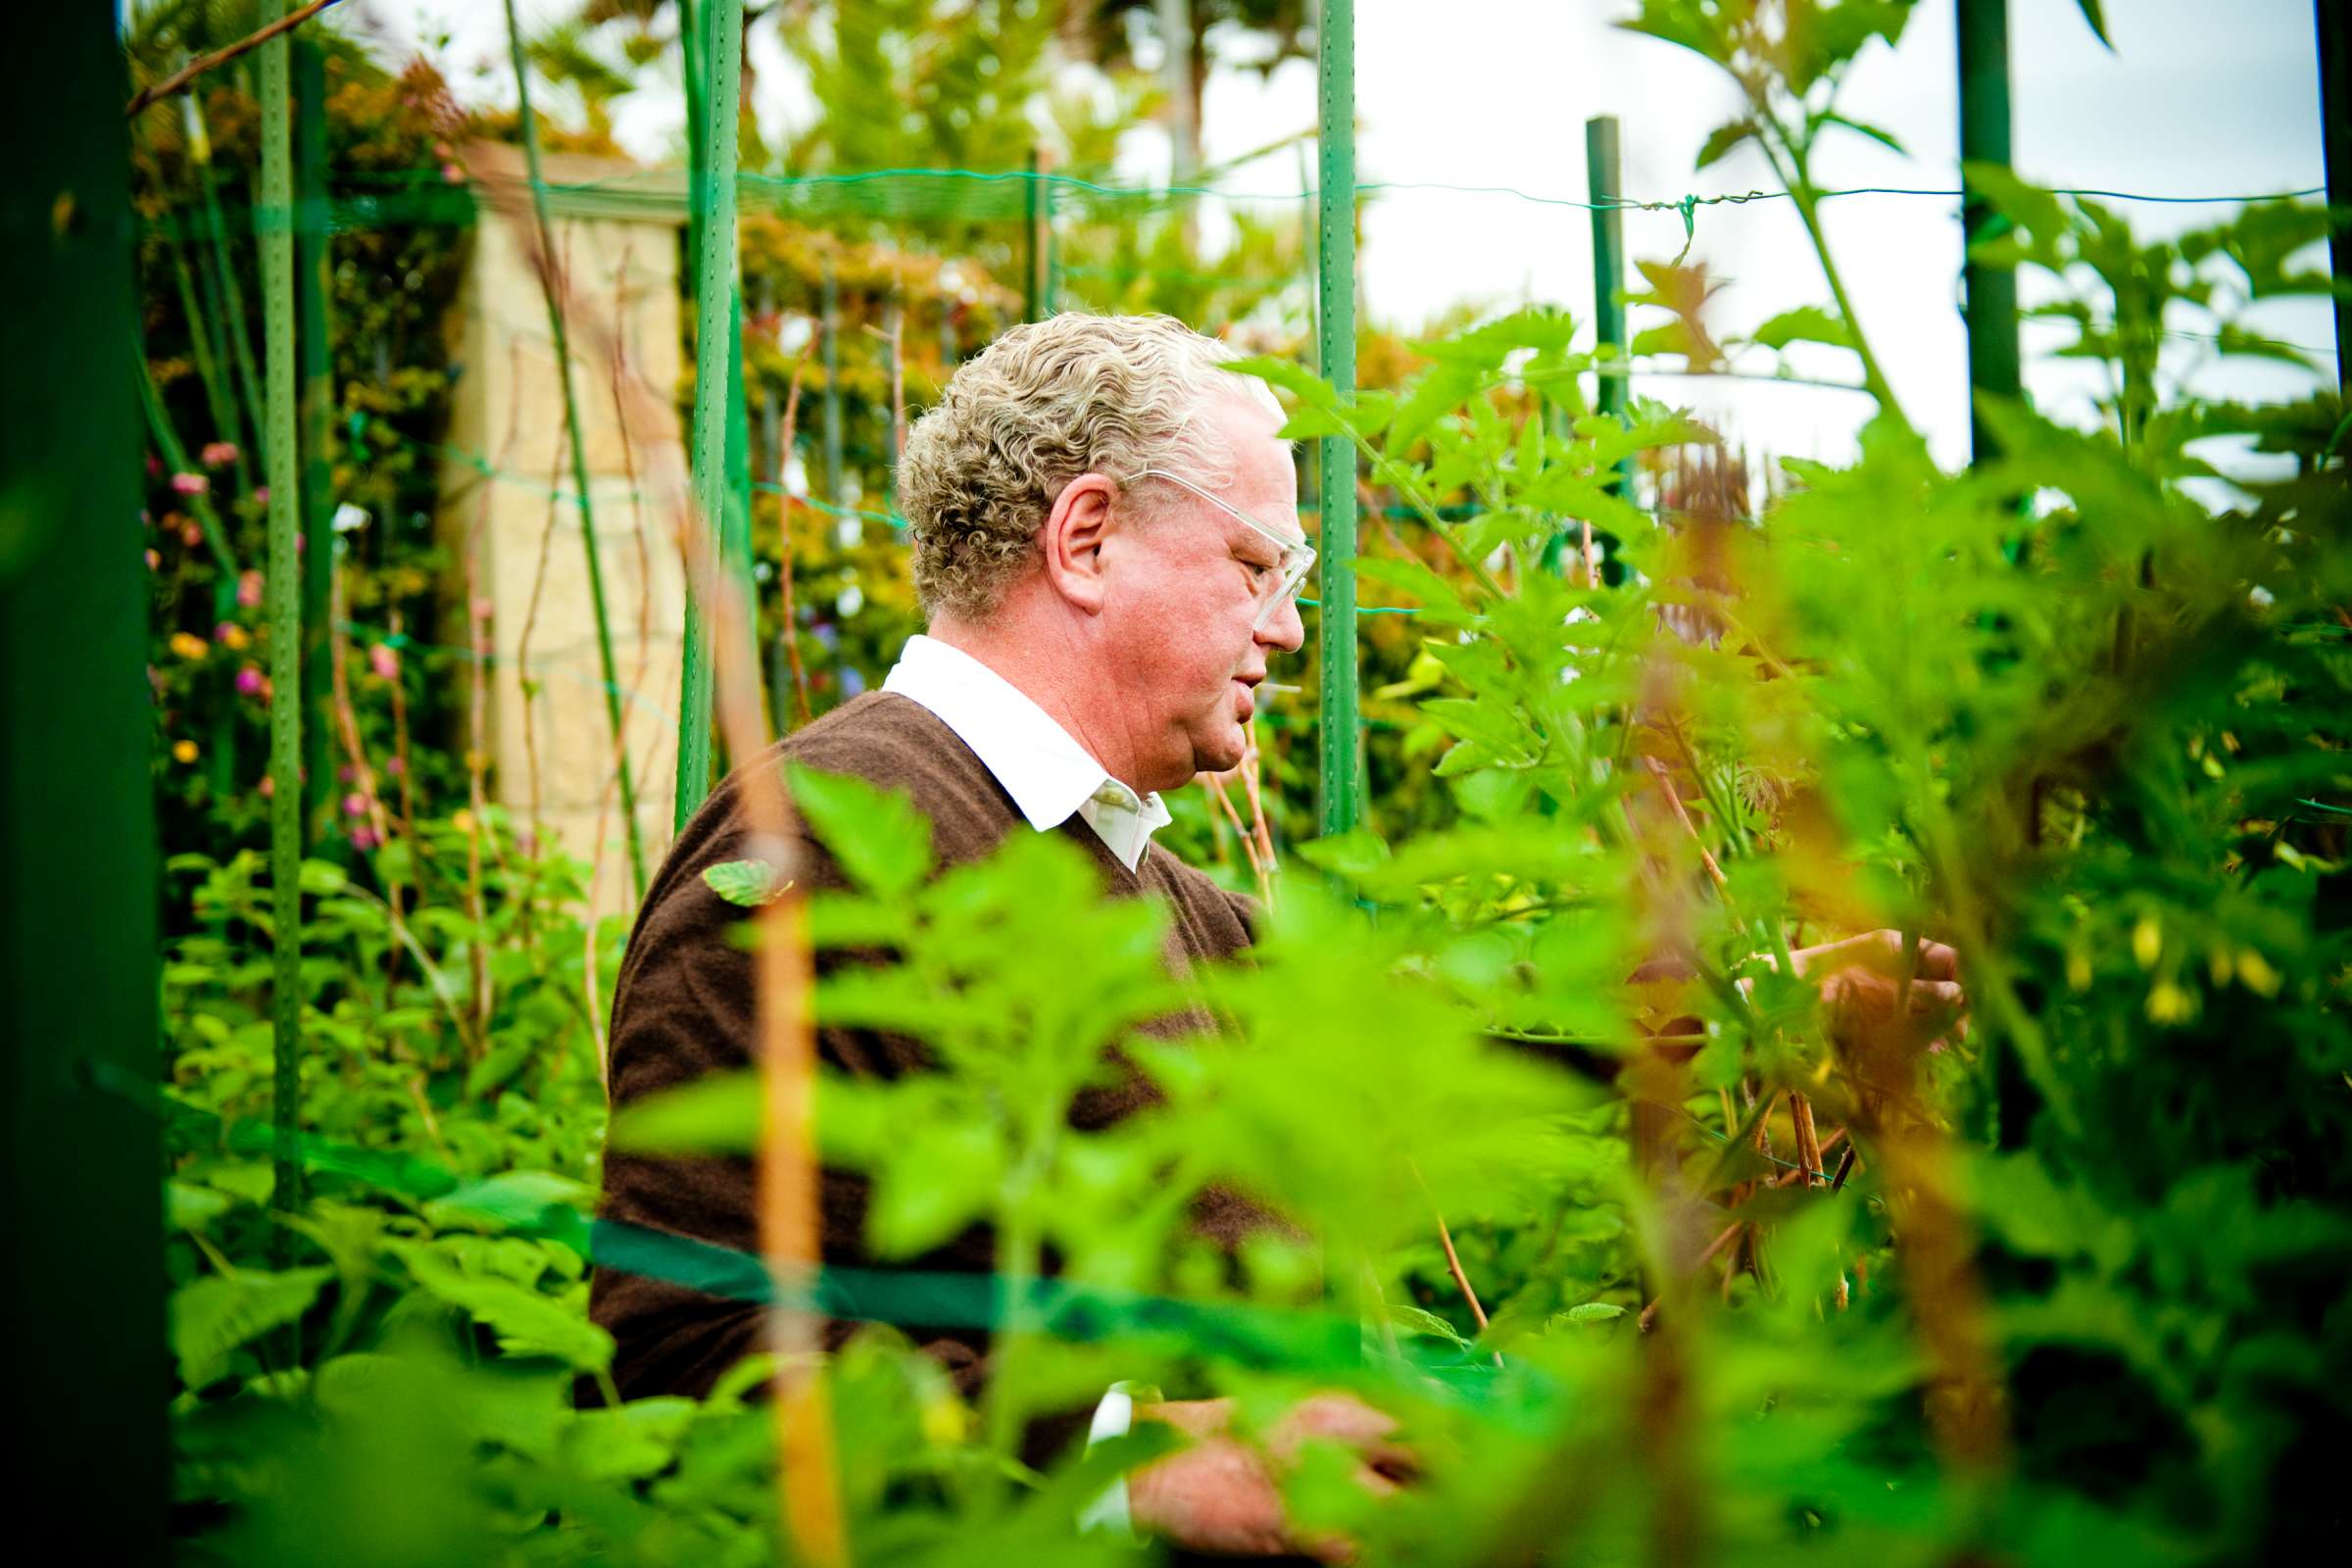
(1221, 1493)
(1860, 980)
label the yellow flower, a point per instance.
(2256, 971)
(233, 637)
(2077, 970)
(462, 820)
(184, 751)
(2147, 941)
(2168, 1004)
(187, 645)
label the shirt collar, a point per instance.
(1050, 777)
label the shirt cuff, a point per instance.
(1112, 1418)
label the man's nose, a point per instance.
(1284, 630)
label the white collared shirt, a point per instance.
(1041, 766)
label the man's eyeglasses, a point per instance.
(1276, 588)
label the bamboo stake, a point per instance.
(552, 288)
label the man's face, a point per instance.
(1184, 587)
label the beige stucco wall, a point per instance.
(550, 740)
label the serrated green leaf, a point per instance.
(212, 1317)
(745, 883)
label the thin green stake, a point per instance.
(1988, 294)
(284, 592)
(2334, 35)
(313, 247)
(717, 339)
(1339, 777)
(579, 452)
(1606, 191)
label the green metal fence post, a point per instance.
(2335, 136)
(829, 304)
(609, 666)
(1989, 302)
(1605, 185)
(81, 1301)
(1339, 783)
(1033, 259)
(717, 413)
(275, 214)
(313, 274)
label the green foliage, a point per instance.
(2076, 1297)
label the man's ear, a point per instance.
(1077, 525)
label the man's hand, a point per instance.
(1221, 1493)
(1860, 979)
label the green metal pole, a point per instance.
(717, 341)
(82, 1298)
(313, 264)
(284, 595)
(2335, 134)
(829, 302)
(579, 453)
(1988, 293)
(1605, 180)
(1339, 784)
(1033, 267)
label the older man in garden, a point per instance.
(1107, 543)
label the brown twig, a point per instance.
(177, 81)
(1454, 1260)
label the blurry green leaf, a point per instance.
(749, 883)
(877, 835)
(213, 1315)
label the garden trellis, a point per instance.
(87, 970)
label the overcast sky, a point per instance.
(2198, 98)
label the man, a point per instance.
(1106, 544)
(1106, 540)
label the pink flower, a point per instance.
(261, 497)
(155, 467)
(346, 773)
(453, 174)
(483, 610)
(250, 682)
(191, 535)
(364, 838)
(155, 561)
(268, 786)
(301, 542)
(217, 453)
(249, 589)
(394, 766)
(190, 484)
(355, 805)
(384, 660)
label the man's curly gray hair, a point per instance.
(1043, 404)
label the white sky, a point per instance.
(2198, 98)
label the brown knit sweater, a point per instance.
(684, 1006)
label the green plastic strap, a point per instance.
(1268, 1339)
